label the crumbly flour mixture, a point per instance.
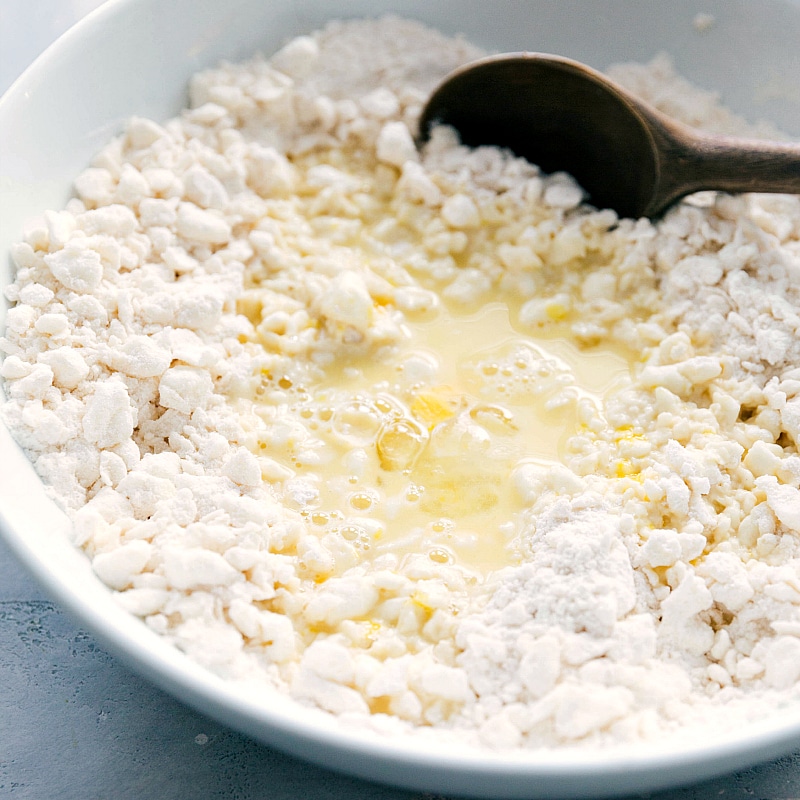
(422, 440)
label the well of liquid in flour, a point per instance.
(436, 431)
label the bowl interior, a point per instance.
(60, 113)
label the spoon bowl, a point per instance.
(565, 116)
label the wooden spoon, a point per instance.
(563, 115)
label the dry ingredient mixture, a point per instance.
(422, 440)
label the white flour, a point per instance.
(220, 358)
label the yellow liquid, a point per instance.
(439, 452)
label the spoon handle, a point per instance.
(695, 161)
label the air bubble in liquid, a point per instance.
(352, 532)
(362, 501)
(440, 556)
(495, 419)
(357, 419)
(400, 443)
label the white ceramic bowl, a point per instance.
(135, 57)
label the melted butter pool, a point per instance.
(417, 450)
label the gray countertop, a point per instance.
(76, 724)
